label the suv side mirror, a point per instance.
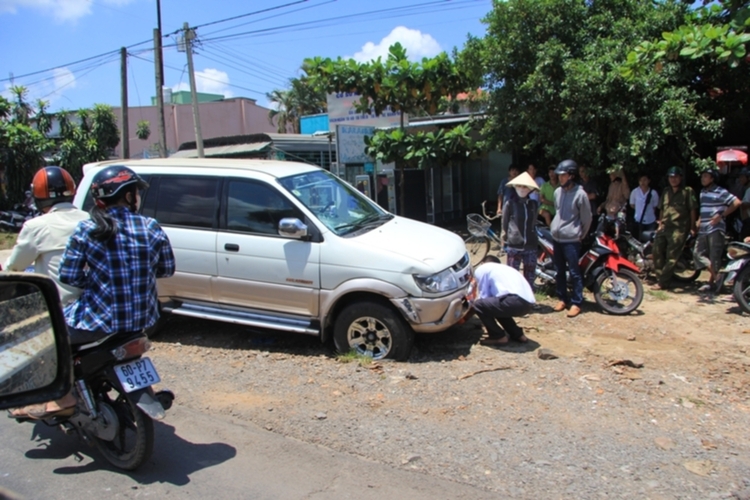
(291, 227)
(35, 359)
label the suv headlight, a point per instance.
(444, 281)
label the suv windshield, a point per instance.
(337, 204)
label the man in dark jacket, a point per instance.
(519, 221)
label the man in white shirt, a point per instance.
(43, 239)
(503, 293)
(644, 201)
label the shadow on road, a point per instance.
(173, 461)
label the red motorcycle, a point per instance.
(611, 277)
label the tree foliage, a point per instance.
(553, 71)
(300, 99)
(402, 86)
(89, 135)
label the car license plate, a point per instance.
(137, 374)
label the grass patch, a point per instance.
(353, 356)
(659, 294)
(7, 240)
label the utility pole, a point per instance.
(189, 37)
(161, 55)
(160, 94)
(124, 122)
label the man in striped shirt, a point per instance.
(716, 204)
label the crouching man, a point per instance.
(503, 294)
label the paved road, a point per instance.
(205, 456)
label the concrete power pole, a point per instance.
(160, 94)
(189, 37)
(124, 121)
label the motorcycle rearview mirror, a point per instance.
(35, 359)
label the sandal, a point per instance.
(40, 412)
(523, 339)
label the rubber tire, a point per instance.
(742, 282)
(478, 248)
(622, 274)
(144, 438)
(401, 336)
(687, 255)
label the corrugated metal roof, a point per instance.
(233, 150)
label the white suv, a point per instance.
(289, 246)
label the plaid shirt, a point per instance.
(118, 277)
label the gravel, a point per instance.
(588, 424)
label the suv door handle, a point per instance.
(231, 247)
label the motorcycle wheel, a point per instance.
(134, 442)
(684, 269)
(478, 248)
(625, 298)
(742, 289)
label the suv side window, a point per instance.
(188, 201)
(256, 207)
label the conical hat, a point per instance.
(523, 179)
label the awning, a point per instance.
(223, 151)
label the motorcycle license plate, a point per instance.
(137, 374)
(733, 266)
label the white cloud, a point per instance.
(50, 89)
(61, 10)
(417, 44)
(210, 80)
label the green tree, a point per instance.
(300, 99)
(396, 83)
(92, 136)
(707, 54)
(556, 88)
(22, 146)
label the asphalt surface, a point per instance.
(205, 456)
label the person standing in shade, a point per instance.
(503, 293)
(547, 196)
(519, 226)
(533, 173)
(504, 193)
(570, 225)
(716, 204)
(644, 201)
(589, 186)
(678, 213)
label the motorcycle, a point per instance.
(737, 269)
(11, 221)
(641, 254)
(116, 404)
(606, 273)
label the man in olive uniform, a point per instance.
(678, 210)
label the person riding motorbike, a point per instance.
(42, 240)
(115, 258)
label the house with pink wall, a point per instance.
(221, 118)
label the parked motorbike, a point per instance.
(11, 221)
(641, 254)
(737, 269)
(116, 403)
(606, 273)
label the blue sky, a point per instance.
(44, 40)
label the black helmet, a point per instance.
(108, 183)
(52, 185)
(567, 167)
(674, 171)
(712, 172)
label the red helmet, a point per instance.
(52, 185)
